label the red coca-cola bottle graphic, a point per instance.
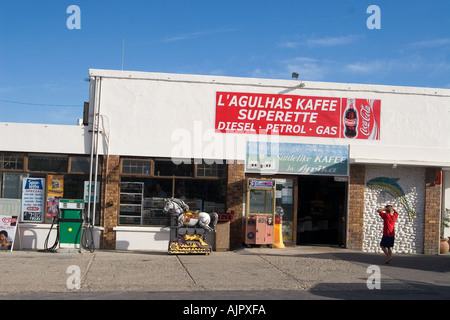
(351, 119)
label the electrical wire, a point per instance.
(41, 104)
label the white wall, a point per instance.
(44, 138)
(408, 233)
(151, 114)
(34, 235)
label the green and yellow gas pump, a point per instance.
(70, 223)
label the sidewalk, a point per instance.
(303, 272)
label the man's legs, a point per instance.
(388, 253)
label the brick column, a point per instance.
(432, 214)
(355, 214)
(111, 200)
(235, 201)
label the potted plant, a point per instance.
(445, 223)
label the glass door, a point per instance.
(285, 199)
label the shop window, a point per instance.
(11, 161)
(12, 185)
(204, 195)
(82, 164)
(166, 167)
(142, 201)
(210, 170)
(48, 162)
(136, 166)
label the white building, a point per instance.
(204, 135)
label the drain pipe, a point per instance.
(94, 151)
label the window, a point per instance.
(201, 186)
(136, 166)
(210, 170)
(142, 201)
(11, 161)
(204, 195)
(12, 185)
(48, 162)
(79, 164)
(166, 167)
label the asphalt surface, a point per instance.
(250, 274)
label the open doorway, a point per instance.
(321, 210)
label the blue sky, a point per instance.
(43, 64)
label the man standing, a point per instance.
(389, 216)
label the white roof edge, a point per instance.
(293, 84)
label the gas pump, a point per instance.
(260, 212)
(73, 228)
(70, 223)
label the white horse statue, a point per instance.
(188, 218)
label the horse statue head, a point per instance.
(175, 206)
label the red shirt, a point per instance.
(389, 223)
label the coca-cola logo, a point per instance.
(350, 122)
(366, 114)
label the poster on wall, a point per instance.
(33, 194)
(55, 191)
(55, 186)
(293, 115)
(8, 226)
(86, 194)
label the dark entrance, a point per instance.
(321, 210)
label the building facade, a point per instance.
(337, 153)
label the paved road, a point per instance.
(251, 275)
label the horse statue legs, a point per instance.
(204, 223)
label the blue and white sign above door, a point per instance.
(296, 159)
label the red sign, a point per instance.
(255, 113)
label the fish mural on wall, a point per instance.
(391, 186)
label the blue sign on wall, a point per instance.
(294, 158)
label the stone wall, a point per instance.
(110, 209)
(355, 217)
(235, 197)
(432, 213)
(409, 234)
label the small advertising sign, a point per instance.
(8, 225)
(261, 183)
(33, 196)
(55, 186)
(55, 191)
(86, 194)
